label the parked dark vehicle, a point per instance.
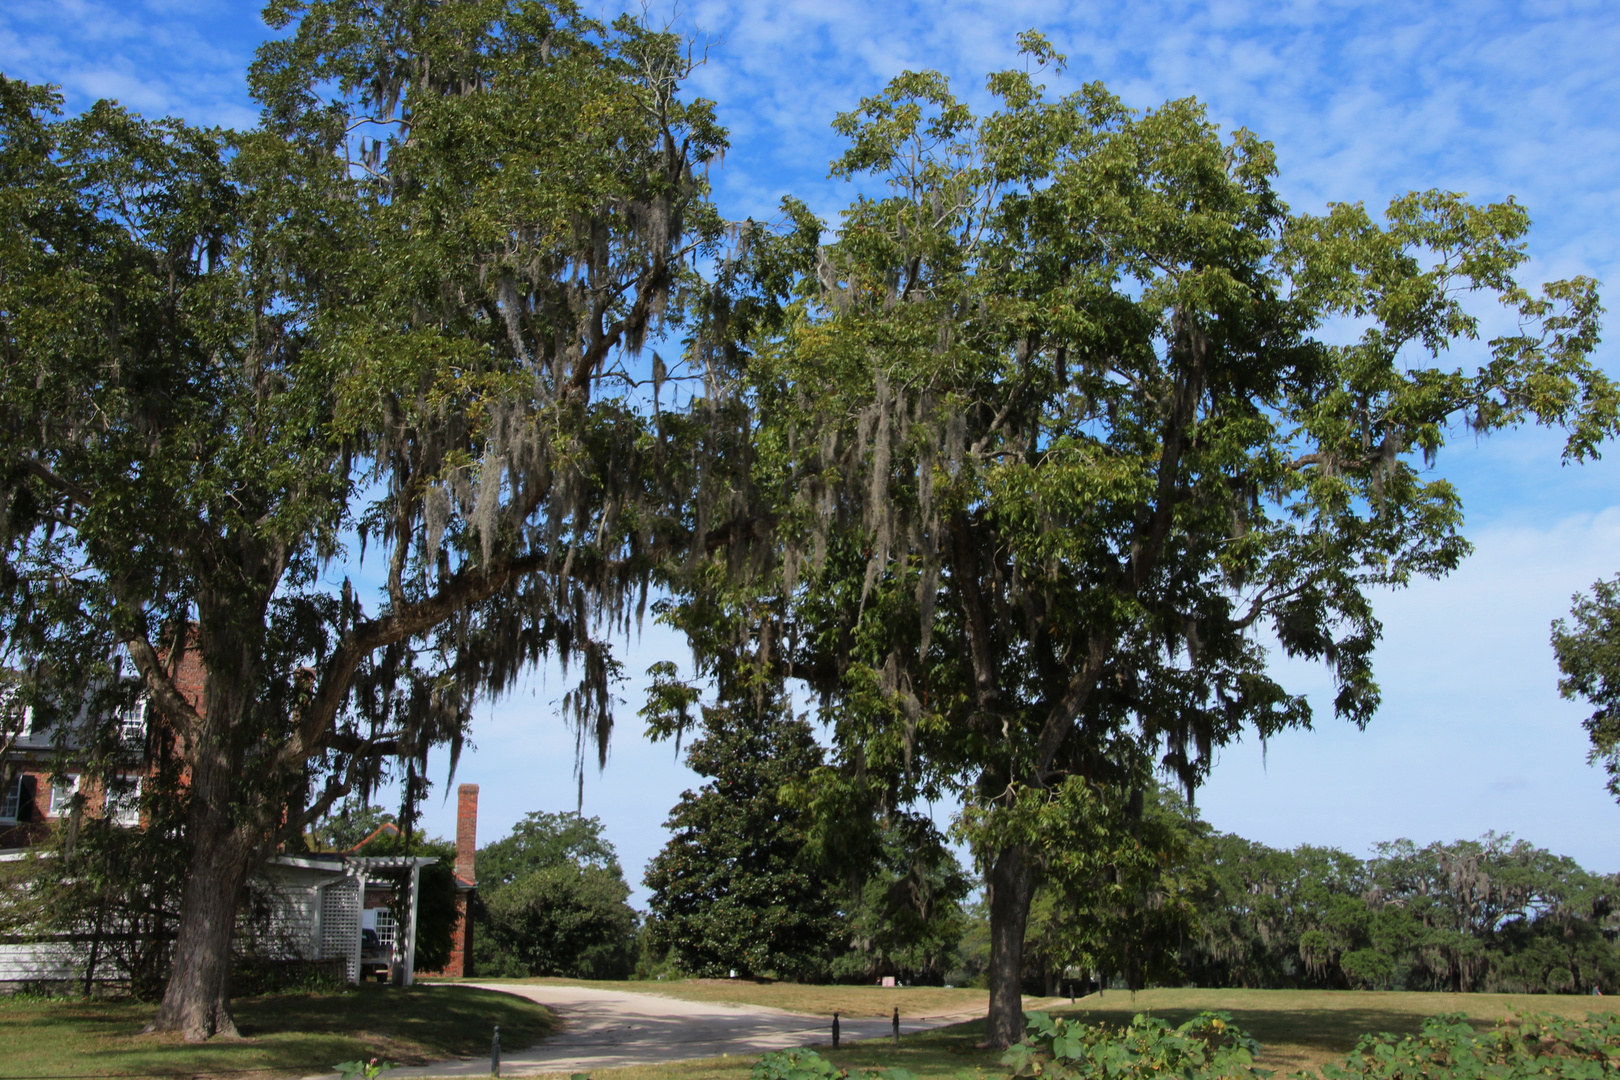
(375, 957)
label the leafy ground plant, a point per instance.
(809, 1065)
(1210, 1047)
(1449, 1047)
(1207, 1047)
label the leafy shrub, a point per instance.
(253, 976)
(1207, 1047)
(1448, 1048)
(809, 1065)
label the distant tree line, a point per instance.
(779, 866)
(1214, 909)
(775, 869)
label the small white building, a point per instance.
(324, 904)
(320, 907)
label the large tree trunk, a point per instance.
(1011, 886)
(197, 1000)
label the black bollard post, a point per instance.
(495, 1053)
(897, 1025)
(835, 1031)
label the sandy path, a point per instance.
(607, 1028)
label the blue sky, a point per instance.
(1364, 102)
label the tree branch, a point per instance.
(169, 700)
(466, 587)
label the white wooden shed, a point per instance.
(321, 902)
(317, 910)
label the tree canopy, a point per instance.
(551, 900)
(1072, 423)
(1588, 651)
(738, 887)
(397, 313)
(1025, 469)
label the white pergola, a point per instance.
(359, 869)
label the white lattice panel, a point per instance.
(340, 924)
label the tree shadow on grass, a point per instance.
(295, 1034)
(447, 1021)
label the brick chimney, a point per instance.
(461, 934)
(466, 831)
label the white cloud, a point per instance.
(1472, 735)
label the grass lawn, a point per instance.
(295, 1034)
(814, 1000)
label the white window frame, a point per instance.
(387, 929)
(62, 789)
(13, 798)
(132, 723)
(122, 804)
(8, 697)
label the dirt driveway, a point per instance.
(603, 1029)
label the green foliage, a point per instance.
(1495, 915)
(906, 917)
(1206, 1047)
(1121, 878)
(794, 1065)
(561, 920)
(1589, 656)
(1209, 1047)
(809, 1065)
(1153, 896)
(542, 841)
(551, 900)
(736, 886)
(1448, 1048)
(396, 310)
(1072, 415)
(117, 889)
(363, 1070)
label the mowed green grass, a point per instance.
(284, 1035)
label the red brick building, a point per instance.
(33, 798)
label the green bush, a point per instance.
(1448, 1048)
(1207, 1047)
(809, 1065)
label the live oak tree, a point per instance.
(1071, 423)
(1588, 651)
(397, 313)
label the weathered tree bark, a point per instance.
(197, 1000)
(1011, 887)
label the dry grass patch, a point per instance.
(294, 1034)
(932, 1055)
(856, 1001)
